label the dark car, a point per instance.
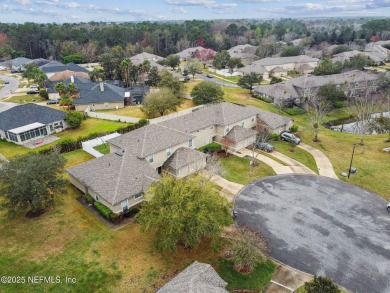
(52, 101)
(6, 81)
(264, 146)
(33, 92)
(209, 75)
(186, 78)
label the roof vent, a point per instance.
(102, 87)
(120, 153)
(72, 79)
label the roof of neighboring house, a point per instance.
(344, 56)
(137, 90)
(40, 61)
(285, 60)
(183, 157)
(110, 93)
(141, 57)
(259, 69)
(196, 278)
(115, 177)
(278, 69)
(4, 106)
(273, 120)
(189, 52)
(116, 82)
(66, 74)
(247, 48)
(238, 133)
(305, 67)
(280, 90)
(150, 139)
(27, 114)
(19, 61)
(218, 114)
(55, 66)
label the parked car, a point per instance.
(33, 92)
(186, 78)
(34, 86)
(388, 207)
(286, 136)
(209, 75)
(6, 81)
(265, 146)
(52, 101)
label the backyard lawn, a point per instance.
(238, 170)
(103, 148)
(23, 99)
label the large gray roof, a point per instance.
(284, 60)
(189, 52)
(196, 278)
(93, 94)
(150, 139)
(55, 66)
(259, 69)
(27, 114)
(219, 114)
(238, 133)
(115, 177)
(273, 120)
(183, 157)
(19, 61)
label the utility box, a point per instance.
(353, 170)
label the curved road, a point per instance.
(322, 226)
(8, 88)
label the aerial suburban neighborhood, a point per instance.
(195, 146)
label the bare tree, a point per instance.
(317, 110)
(214, 166)
(226, 143)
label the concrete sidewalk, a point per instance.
(324, 166)
(229, 189)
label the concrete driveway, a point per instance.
(8, 88)
(322, 226)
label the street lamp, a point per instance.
(350, 165)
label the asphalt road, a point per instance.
(216, 80)
(322, 226)
(8, 88)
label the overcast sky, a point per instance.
(138, 10)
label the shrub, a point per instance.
(115, 218)
(89, 199)
(294, 128)
(44, 94)
(275, 137)
(105, 211)
(211, 147)
(74, 119)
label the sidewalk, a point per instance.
(229, 189)
(324, 166)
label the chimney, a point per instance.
(72, 79)
(102, 87)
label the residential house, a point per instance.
(196, 278)
(24, 123)
(54, 67)
(152, 58)
(16, 64)
(353, 83)
(134, 95)
(170, 146)
(189, 53)
(247, 53)
(374, 51)
(67, 74)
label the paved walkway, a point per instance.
(229, 189)
(324, 166)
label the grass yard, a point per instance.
(103, 148)
(256, 280)
(23, 99)
(299, 155)
(76, 158)
(237, 170)
(302, 290)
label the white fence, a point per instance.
(89, 145)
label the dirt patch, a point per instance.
(35, 214)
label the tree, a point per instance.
(247, 81)
(321, 285)
(331, 93)
(183, 211)
(226, 143)
(153, 77)
(74, 119)
(193, 66)
(66, 100)
(221, 59)
(291, 51)
(160, 102)
(207, 92)
(234, 63)
(61, 89)
(173, 83)
(30, 182)
(73, 90)
(317, 113)
(327, 67)
(214, 166)
(173, 60)
(205, 56)
(75, 58)
(249, 248)
(43, 93)
(96, 75)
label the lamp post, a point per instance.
(350, 165)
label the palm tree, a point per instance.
(61, 89)
(125, 67)
(73, 90)
(96, 75)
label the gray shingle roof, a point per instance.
(150, 139)
(219, 114)
(196, 278)
(183, 157)
(259, 69)
(19, 61)
(111, 93)
(29, 113)
(273, 120)
(238, 133)
(115, 178)
(189, 52)
(284, 60)
(55, 66)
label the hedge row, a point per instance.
(211, 147)
(70, 145)
(105, 211)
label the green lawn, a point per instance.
(23, 99)
(103, 148)
(238, 170)
(302, 290)
(299, 155)
(76, 158)
(255, 280)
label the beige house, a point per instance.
(137, 158)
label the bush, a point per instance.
(275, 137)
(210, 148)
(115, 218)
(74, 119)
(44, 94)
(89, 199)
(105, 211)
(294, 128)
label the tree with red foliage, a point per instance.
(3, 39)
(201, 42)
(205, 55)
(374, 39)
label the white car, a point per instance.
(388, 207)
(34, 86)
(286, 136)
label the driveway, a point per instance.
(322, 226)
(8, 88)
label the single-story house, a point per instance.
(67, 74)
(117, 180)
(188, 53)
(278, 72)
(54, 67)
(16, 64)
(185, 161)
(197, 277)
(24, 123)
(247, 53)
